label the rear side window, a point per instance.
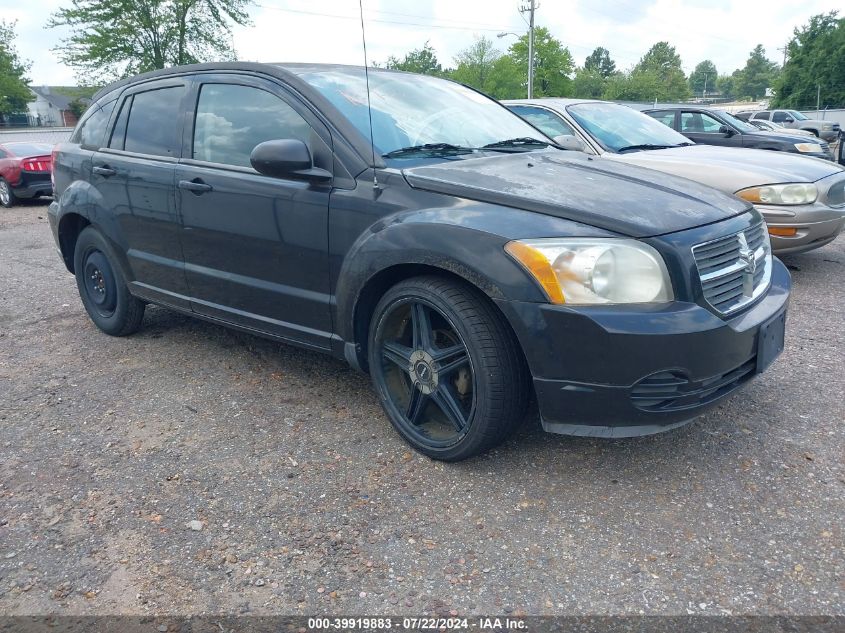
(155, 122)
(666, 117)
(92, 130)
(549, 124)
(232, 120)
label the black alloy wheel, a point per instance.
(446, 368)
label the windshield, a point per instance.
(411, 110)
(29, 149)
(798, 116)
(617, 127)
(739, 124)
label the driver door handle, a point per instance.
(196, 186)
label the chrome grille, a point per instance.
(734, 270)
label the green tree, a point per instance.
(815, 63)
(663, 62)
(474, 65)
(599, 62)
(421, 60)
(640, 85)
(553, 63)
(588, 83)
(759, 73)
(507, 79)
(119, 38)
(14, 90)
(727, 84)
(704, 76)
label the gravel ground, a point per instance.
(189, 469)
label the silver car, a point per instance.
(801, 198)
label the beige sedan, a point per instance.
(801, 198)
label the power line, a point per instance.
(468, 27)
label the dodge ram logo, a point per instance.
(746, 255)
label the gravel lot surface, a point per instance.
(189, 469)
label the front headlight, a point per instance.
(809, 147)
(797, 193)
(580, 271)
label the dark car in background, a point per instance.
(717, 127)
(438, 242)
(25, 170)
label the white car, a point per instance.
(771, 126)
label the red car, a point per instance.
(25, 171)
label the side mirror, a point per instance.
(726, 131)
(789, 119)
(286, 158)
(569, 142)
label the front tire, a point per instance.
(102, 286)
(446, 368)
(7, 197)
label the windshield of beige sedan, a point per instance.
(409, 111)
(619, 128)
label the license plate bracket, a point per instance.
(770, 341)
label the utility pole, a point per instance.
(704, 92)
(531, 7)
(818, 99)
(784, 48)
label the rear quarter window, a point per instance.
(92, 129)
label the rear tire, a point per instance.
(7, 197)
(446, 368)
(102, 286)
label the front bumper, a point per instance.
(829, 135)
(622, 371)
(816, 225)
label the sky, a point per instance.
(723, 31)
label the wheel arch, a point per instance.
(377, 285)
(70, 226)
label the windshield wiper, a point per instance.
(516, 143)
(647, 146)
(428, 148)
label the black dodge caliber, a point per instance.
(460, 258)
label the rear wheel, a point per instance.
(7, 196)
(102, 286)
(446, 368)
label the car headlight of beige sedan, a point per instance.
(781, 194)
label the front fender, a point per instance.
(466, 241)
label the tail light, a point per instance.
(37, 163)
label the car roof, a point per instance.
(281, 70)
(559, 102)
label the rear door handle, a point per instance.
(104, 171)
(196, 186)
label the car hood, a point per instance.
(787, 136)
(730, 169)
(602, 193)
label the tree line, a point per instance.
(657, 76)
(119, 38)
